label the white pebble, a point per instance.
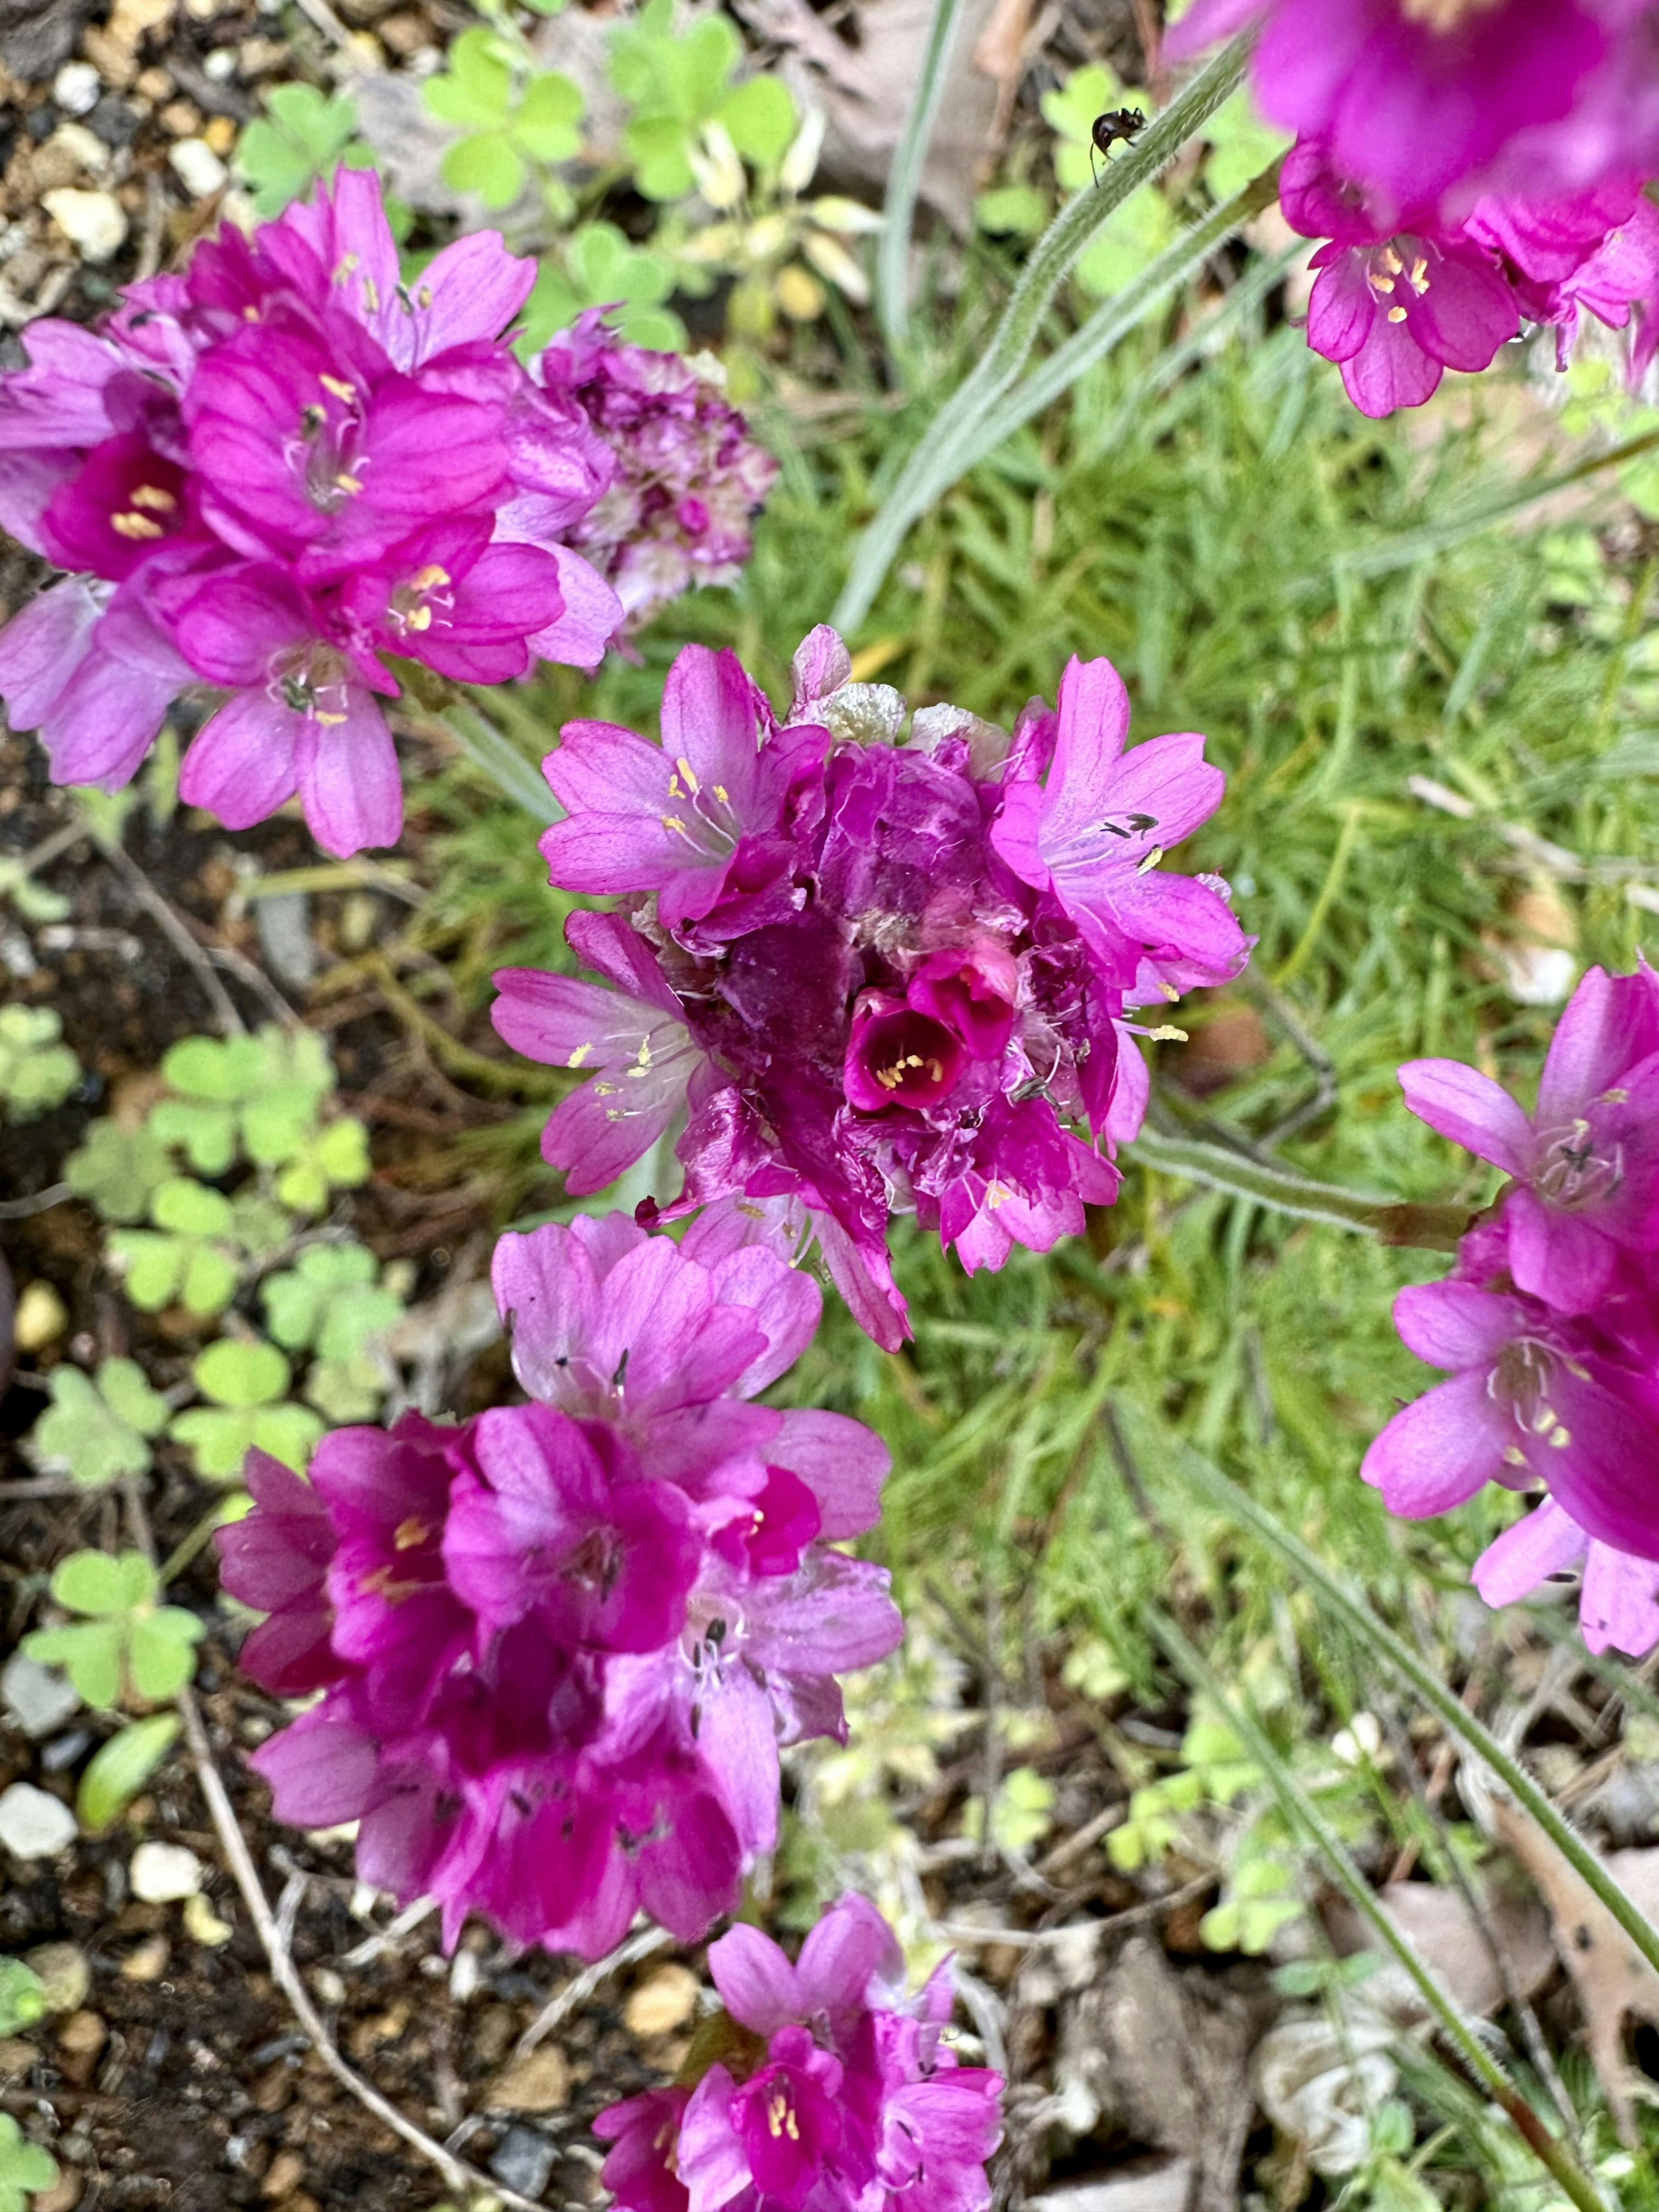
(197, 167)
(38, 1699)
(161, 1873)
(93, 221)
(76, 89)
(220, 66)
(35, 1824)
(84, 148)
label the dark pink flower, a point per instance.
(561, 1643)
(291, 464)
(1618, 1591)
(852, 2102)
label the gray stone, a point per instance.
(283, 921)
(34, 1825)
(36, 1697)
(523, 2161)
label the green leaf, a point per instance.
(33, 901)
(1240, 146)
(1011, 211)
(330, 1302)
(119, 1770)
(202, 1067)
(190, 1209)
(476, 90)
(89, 1652)
(302, 136)
(117, 1168)
(101, 1584)
(25, 2168)
(658, 147)
(761, 120)
(22, 1997)
(1138, 232)
(206, 1134)
(242, 1373)
(336, 1157)
(37, 1072)
(96, 1429)
(547, 126)
(161, 1655)
(346, 1390)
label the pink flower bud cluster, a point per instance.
(1550, 1320)
(835, 2090)
(879, 973)
(559, 1644)
(688, 478)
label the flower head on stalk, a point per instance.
(877, 977)
(834, 2091)
(559, 1644)
(1549, 1325)
(270, 476)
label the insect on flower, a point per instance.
(1124, 123)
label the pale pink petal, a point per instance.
(1471, 1109)
(1542, 1543)
(1439, 1450)
(240, 763)
(348, 778)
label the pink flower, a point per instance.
(289, 465)
(1617, 1593)
(875, 977)
(561, 1643)
(851, 2099)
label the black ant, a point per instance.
(1124, 123)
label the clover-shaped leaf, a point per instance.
(126, 1643)
(1021, 1812)
(22, 1997)
(604, 269)
(246, 1380)
(1147, 1833)
(510, 120)
(302, 137)
(25, 2168)
(330, 1302)
(261, 1091)
(678, 84)
(1261, 1899)
(117, 1168)
(38, 1071)
(333, 1157)
(97, 1427)
(346, 1390)
(190, 1255)
(1215, 1755)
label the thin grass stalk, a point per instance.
(1299, 1809)
(501, 760)
(1376, 1637)
(1010, 345)
(1391, 1221)
(904, 178)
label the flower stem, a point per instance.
(904, 178)
(1391, 1221)
(959, 421)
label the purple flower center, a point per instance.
(413, 603)
(310, 678)
(902, 1058)
(1398, 273)
(701, 813)
(1523, 1375)
(1575, 1174)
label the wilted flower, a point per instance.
(878, 977)
(1401, 298)
(833, 2089)
(271, 474)
(560, 1643)
(1549, 1325)
(688, 478)
(1428, 104)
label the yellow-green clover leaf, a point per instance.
(97, 1427)
(126, 1643)
(25, 2168)
(246, 1381)
(189, 1254)
(116, 1169)
(38, 1071)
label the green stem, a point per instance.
(904, 178)
(1300, 1811)
(1391, 1221)
(1330, 1590)
(959, 421)
(502, 761)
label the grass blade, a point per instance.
(904, 178)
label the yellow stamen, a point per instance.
(579, 1055)
(349, 483)
(410, 1532)
(1397, 314)
(150, 495)
(329, 721)
(345, 392)
(135, 526)
(688, 772)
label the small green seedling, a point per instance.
(38, 1071)
(330, 1302)
(263, 1093)
(33, 901)
(246, 1381)
(300, 137)
(119, 1768)
(514, 120)
(191, 1254)
(678, 85)
(25, 2168)
(1261, 1898)
(333, 1157)
(116, 1169)
(603, 270)
(97, 1427)
(22, 1997)
(1022, 1812)
(126, 1645)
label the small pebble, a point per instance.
(63, 1973)
(92, 221)
(76, 87)
(37, 1698)
(79, 150)
(288, 2171)
(181, 118)
(63, 1750)
(329, 1986)
(83, 2035)
(204, 1923)
(33, 1824)
(148, 1963)
(115, 122)
(197, 167)
(524, 2160)
(665, 2003)
(220, 66)
(16, 2056)
(162, 1873)
(41, 1317)
(538, 2082)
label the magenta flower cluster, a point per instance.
(1472, 165)
(836, 2093)
(270, 474)
(688, 478)
(560, 1643)
(1550, 1320)
(878, 976)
